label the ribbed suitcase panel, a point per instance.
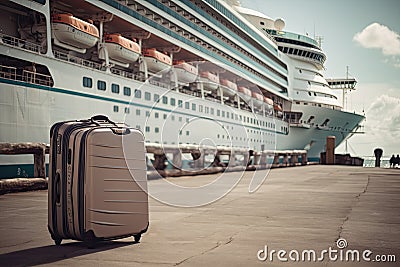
(116, 185)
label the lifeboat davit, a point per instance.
(258, 99)
(75, 32)
(230, 88)
(156, 61)
(245, 93)
(121, 49)
(209, 80)
(186, 72)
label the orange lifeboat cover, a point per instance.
(268, 101)
(79, 24)
(277, 107)
(208, 75)
(257, 96)
(244, 90)
(152, 52)
(122, 41)
(229, 84)
(186, 66)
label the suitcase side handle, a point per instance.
(121, 130)
(102, 119)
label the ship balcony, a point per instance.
(294, 38)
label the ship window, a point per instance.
(200, 108)
(157, 130)
(147, 113)
(187, 105)
(165, 100)
(87, 82)
(172, 101)
(138, 112)
(156, 97)
(101, 85)
(172, 117)
(300, 71)
(116, 108)
(127, 91)
(138, 93)
(180, 103)
(187, 132)
(223, 114)
(194, 106)
(212, 111)
(115, 88)
(147, 96)
(165, 116)
(147, 129)
(127, 110)
(138, 127)
(218, 112)
(262, 22)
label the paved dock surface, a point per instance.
(296, 209)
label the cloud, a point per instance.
(383, 117)
(379, 36)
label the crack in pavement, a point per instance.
(219, 244)
(357, 199)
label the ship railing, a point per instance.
(11, 73)
(20, 43)
(77, 60)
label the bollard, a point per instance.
(177, 159)
(330, 150)
(378, 154)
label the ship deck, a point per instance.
(306, 208)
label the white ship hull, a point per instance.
(64, 86)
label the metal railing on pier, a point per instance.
(168, 160)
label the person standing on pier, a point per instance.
(392, 161)
(397, 161)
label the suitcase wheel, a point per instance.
(57, 241)
(90, 239)
(137, 237)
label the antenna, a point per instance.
(319, 40)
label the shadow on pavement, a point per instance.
(51, 254)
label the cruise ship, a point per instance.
(202, 72)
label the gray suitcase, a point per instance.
(97, 181)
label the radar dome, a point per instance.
(279, 24)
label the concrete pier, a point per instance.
(304, 208)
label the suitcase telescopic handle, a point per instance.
(102, 119)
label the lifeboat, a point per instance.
(186, 72)
(72, 31)
(258, 99)
(268, 101)
(209, 80)
(268, 105)
(156, 61)
(278, 108)
(230, 88)
(121, 49)
(245, 93)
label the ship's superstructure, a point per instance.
(184, 72)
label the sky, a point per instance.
(361, 34)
